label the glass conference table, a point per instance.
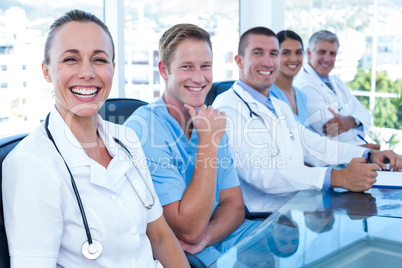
(335, 228)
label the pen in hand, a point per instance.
(368, 145)
(358, 135)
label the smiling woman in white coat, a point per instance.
(75, 191)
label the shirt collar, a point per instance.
(258, 96)
(322, 78)
(159, 107)
(69, 146)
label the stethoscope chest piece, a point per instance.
(92, 251)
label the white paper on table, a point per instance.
(389, 179)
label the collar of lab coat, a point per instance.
(74, 154)
(310, 70)
(313, 75)
(255, 105)
(66, 142)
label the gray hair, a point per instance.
(320, 36)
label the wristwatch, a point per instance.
(368, 157)
(357, 122)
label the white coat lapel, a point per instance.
(271, 122)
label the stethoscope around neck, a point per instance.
(92, 249)
(257, 115)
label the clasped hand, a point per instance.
(209, 123)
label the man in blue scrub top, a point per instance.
(187, 149)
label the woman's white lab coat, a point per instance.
(43, 222)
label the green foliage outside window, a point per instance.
(387, 111)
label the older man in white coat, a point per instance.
(334, 111)
(270, 148)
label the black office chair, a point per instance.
(216, 89)
(256, 216)
(118, 110)
(6, 145)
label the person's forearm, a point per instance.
(170, 254)
(197, 203)
(165, 247)
(227, 217)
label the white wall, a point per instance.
(268, 13)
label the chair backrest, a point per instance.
(216, 89)
(118, 110)
(6, 145)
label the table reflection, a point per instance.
(356, 205)
(326, 229)
(281, 239)
(283, 236)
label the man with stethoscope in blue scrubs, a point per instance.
(270, 148)
(75, 191)
(334, 111)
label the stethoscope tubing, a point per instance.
(77, 194)
(254, 113)
(248, 106)
(145, 204)
(86, 251)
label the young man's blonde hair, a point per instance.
(172, 38)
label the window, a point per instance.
(23, 28)
(140, 57)
(370, 38)
(354, 25)
(145, 22)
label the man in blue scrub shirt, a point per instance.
(187, 149)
